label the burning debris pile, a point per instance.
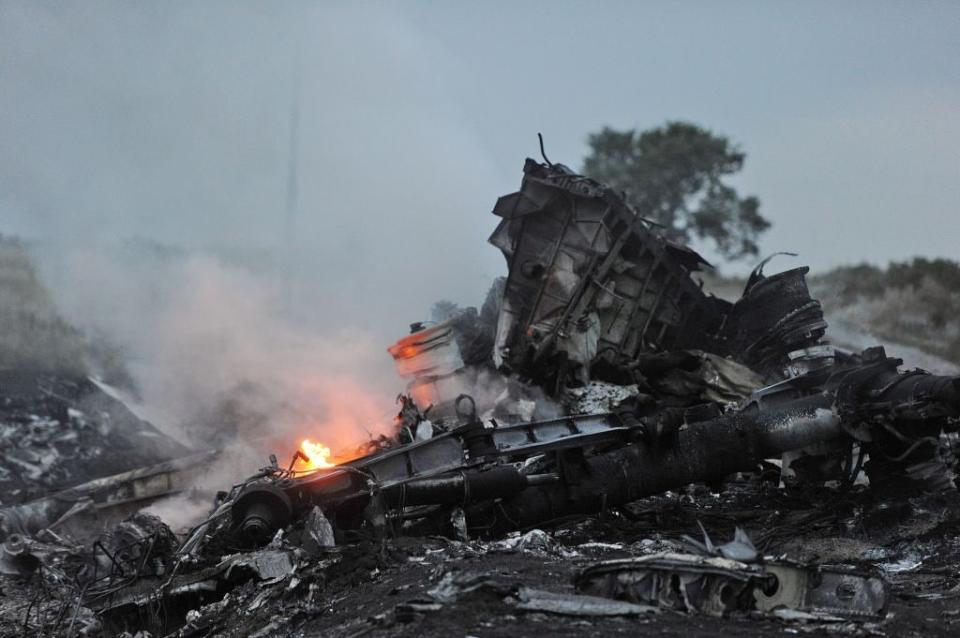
(593, 414)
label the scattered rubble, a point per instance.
(552, 457)
(57, 431)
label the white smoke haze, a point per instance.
(215, 354)
(219, 362)
(172, 122)
(184, 510)
(146, 160)
(496, 396)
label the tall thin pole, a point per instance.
(293, 185)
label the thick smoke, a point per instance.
(218, 360)
(216, 356)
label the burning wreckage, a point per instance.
(617, 379)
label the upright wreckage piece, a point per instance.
(590, 280)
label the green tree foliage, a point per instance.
(443, 310)
(915, 302)
(945, 272)
(866, 281)
(675, 175)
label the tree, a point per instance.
(675, 176)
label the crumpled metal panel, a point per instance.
(716, 586)
(588, 274)
(824, 590)
(777, 325)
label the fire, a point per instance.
(335, 421)
(318, 456)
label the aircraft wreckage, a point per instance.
(596, 301)
(593, 291)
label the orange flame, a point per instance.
(318, 456)
(339, 411)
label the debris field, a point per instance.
(605, 448)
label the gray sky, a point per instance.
(169, 120)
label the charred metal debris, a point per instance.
(600, 375)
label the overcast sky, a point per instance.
(170, 121)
